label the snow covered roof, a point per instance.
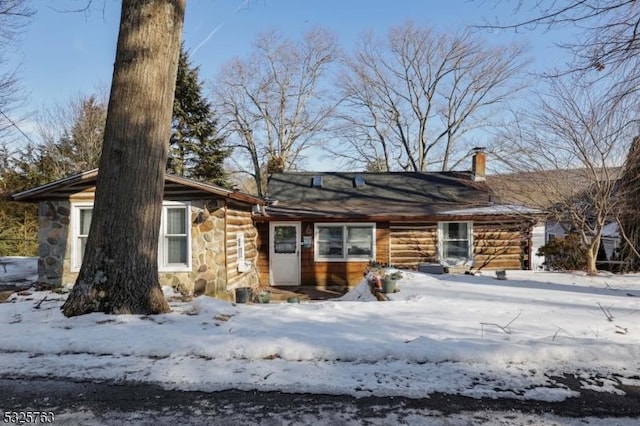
(497, 209)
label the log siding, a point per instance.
(500, 245)
(496, 245)
(412, 244)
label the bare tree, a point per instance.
(71, 141)
(610, 31)
(607, 47)
(119, 272)
(14, 15)
(410, 100)
(77, 128)
(272, 105)
(564, 154)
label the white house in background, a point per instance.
(537, 241)
(610, 239)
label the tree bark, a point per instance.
(119, 272)
(592, 256)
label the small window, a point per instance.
(551, 236)
(175, 236)
(330, 242)
(359, 182)
(316, 182)
(285, 239)
(83, 223)
(455, 240)
(359, 242)
(240, 247)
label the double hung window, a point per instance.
(174, 237)
(455, 240)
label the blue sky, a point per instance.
(65, 54)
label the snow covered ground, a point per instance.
(18, 271)
(459, 334)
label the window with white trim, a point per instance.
(455, 242)
(174, 244)
(81, 219)
(342, 242)
(174, 248)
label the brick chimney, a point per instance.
(478, 164)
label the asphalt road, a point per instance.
(90, 403)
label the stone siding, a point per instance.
(54, 219)
(208, 275)
(207, 253)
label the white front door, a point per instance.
(284, 253)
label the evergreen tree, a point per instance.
(195, 150)
(18, 228)
(18, 221)
(35, 165)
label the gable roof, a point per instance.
(543, 188)
(399, 195)
(175, 187)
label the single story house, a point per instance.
(208, 241)
(323, 229)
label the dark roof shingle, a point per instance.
(383, 194)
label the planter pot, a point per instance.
(388, 286)
(264, 297)
(293, 300)
(243, 294)
(501, 274)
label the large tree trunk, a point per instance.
(119, 272)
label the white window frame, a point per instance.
(345, 256)
(76, 253)
(163, 266)
(455, 260)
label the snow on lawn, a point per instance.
(464, 334)
(18, 271)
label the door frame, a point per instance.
(298, 226)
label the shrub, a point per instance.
(564, 253)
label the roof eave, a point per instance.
(36, 194)
(234, 195)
